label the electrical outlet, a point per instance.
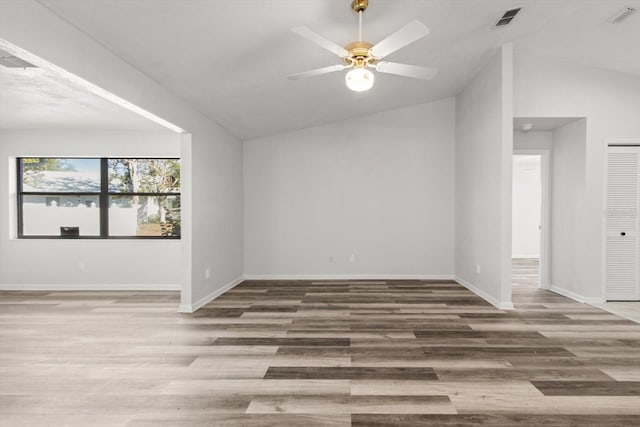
(352, 258)
(331, 259)
(81, 265)
(478, 268)
(207, 273)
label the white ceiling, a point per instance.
(34, 98)
(230, 58)
(541, 124)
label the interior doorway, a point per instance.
(622, 252)
(529, 219)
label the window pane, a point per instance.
(65, 175)
(45, 215)
(144, 216)
(144, 175)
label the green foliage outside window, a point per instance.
(149, 176)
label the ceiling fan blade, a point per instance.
(406, 35)
(321, 41)
(317, 72)
(414, 71)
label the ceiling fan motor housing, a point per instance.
(359, 54)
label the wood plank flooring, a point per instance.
(627, 309)
(525, 272)
(295, 353)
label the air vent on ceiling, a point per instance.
(10, 61)
(507, 17)
(621, 15)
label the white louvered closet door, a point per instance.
(623, 223)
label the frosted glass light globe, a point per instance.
(359, 79)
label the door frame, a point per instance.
(545, 232)
(605, 206)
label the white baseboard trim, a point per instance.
(349, 277)
(528, 256)
(191, 308)
(90, 287)
(482, 294)
(574, 296)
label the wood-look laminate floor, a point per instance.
(526, 275)
(366, 353)
(525, 272)
(627, 309)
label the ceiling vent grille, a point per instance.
(507, 18)
(10, 61)
(621, 15)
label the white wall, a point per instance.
(568, 209)
(484, 147)
(534, 140)
(527, 206)
(213, 203)
(380, 187)
(106, 264)
(546, 87)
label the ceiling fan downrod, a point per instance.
(359, 6)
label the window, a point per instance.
(98, 198)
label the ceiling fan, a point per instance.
(361, 55)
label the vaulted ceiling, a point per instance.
(230, 58)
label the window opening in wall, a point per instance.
(98, 198)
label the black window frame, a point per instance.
(103, 196)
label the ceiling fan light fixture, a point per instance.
(359, 79)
